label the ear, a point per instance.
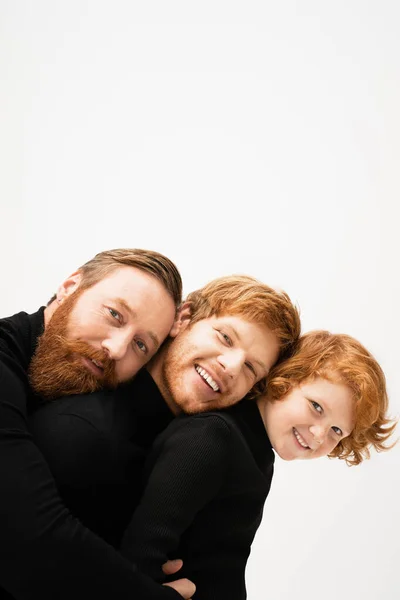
(182, 319)
(69, 286)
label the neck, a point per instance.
(262, 407)
(49, 312)
(155, 368)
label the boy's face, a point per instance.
(311, 420)
(215, 362)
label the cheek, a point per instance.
(127, 369)
(87, 330)
(242, 387)
(328, 447)
(80, 326)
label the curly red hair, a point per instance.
(341, 358)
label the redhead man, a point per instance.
(105, 322)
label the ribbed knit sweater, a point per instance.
(46, 553)
(207, 480)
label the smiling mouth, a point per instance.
(207, 378)
(300, 439)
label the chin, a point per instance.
(286, 457)
(283, 454)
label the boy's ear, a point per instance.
(182, 319)
(69, 286)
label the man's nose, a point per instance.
(116, 346)
(232, 362)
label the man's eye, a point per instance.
(251, 368)
(115, 314)
(142, 346)
(225, 337)
(317, 406)
(338, 431)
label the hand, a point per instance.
(184, 587)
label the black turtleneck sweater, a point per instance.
(45, 552)
(96, 446)
(206, 480)
(208, 477)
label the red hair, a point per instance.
(341, 358)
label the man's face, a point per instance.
(103, 335)
(215, 362)
(311, 420)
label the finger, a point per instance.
(184, 587)
(172, 566)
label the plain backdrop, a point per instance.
(236, 137)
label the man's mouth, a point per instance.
(94, 366)
(207, 378)
(300, 439)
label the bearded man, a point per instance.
(105, 322)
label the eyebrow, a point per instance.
(237, 336)
(133, 314)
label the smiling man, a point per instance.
(231, 333)
(105, 322)
(228, 336)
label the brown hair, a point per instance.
(154, 263)
(254, 301)
(341, 358)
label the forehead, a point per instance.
(336, 398)
(127, 281)
(240, 324)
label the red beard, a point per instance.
(57, 368)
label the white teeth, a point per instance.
(97, 363)
(300, 439)
(207, 378)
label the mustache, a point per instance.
(56, 369)
(84, 349)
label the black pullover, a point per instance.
(206, 479)
(45, 552)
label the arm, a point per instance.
(187, 470)
(218, 564)
(44, 552)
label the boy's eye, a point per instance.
(115, 314)
(317, 406)
(338, 431)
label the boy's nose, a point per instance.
(318, 432)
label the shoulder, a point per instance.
(209, 422)
(18, 335)
(66, 419)
(200, 434)
(92, 411)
